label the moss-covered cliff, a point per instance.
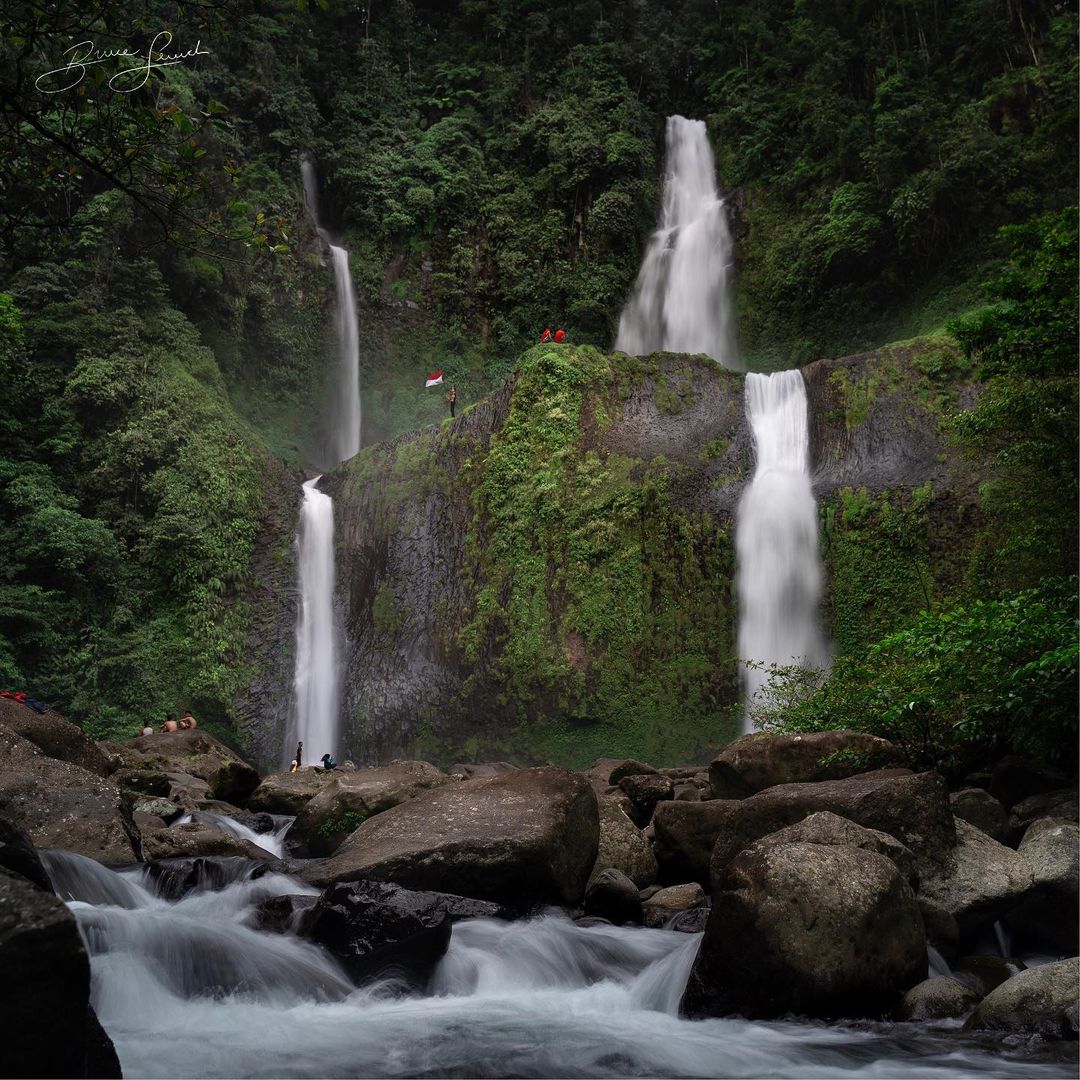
(549, 576)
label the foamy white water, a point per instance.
(315, 679)
(780, 578)
(189, 989)
(681, 300)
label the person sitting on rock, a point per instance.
(546, 336)
(169, 726)
(187, 722)
(328, 763)
(560, 336)
(293, 766)
(147, 730)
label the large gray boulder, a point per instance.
(55, 736)
(977, 881)
(764, 761)
(289, 793)
(808, 928)
(49, 1027)
(613, 896)
(979, 808)
(622, 846)
(1050, 917)
(197, 839)
(1061, 805)
(939, 998)
(521, 838)
(196, 754)
(61, 805)
(912, 808)
(349, 798)
(1040, 1001)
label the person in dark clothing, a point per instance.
(328, 763)
(299, 754)
(452, 398)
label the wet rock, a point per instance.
(1061, 805)
(817, 930)
(19, 857)
(981, 809)
(1039, 1001)
(351, 798)
(629, 767)
(726, 783)
(289, 793)
(602, 770)
(834, 831)
(197, 754)
(146, 782)
(1050, 917)
(55, 737)
(379, 930)
(764, 761)
(939, 998)
(1017, 778)
(196, 838)
(522, 838)
(475, 771)
(941, 929)
(913, 809)
(665, 904)
(176, 877)
(977, 881)
(157, 808)
(692, 921)
(687, 791)
(63, 805)
(613, 896)
(984, 973)
(281, 914)
(622, 847)
(644, 792)
(49, 1026)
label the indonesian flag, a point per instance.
(433, 380)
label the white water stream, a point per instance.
(189, 989)
(681, 301)
(780, 579)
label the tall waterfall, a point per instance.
(315, 680)
(681, 300)
(779, 568)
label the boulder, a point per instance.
(687, 791)
(622, 847)
(691, 921)
(63, 805)
(282, 914)
(808, 928)
(602, 770)
(351, 798)
(520, 838)
(665, 904)
(939, 998)
(196, 754)
(1060, 805)
(764, 761)
(913, 809)
(982, 973)
(644, 792)
(55, 737)
(1017, 778)
(835, 831)
(1050, 917)
(613, 896)
(49, 1027)
(977, 881)
(476, 770)
(151, 783)
(173, 878)
(981, 809)
(289, 793)
(1040, 1001)
(195, 839)
(725, 783)
(380, 930)
(18, 855)
(941, 929)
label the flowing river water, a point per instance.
(188, 988)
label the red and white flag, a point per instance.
(434, 380)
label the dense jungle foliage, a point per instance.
(493, 167)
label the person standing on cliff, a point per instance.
(452, 398)
(299, 754)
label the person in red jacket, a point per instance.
(546, 336)
(560, 337)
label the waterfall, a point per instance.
(681, 299)
(347, 402)
(315, 682)
(780, 579)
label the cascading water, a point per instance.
(315, 680)
(190, 988)
(681, 299)
(347, 402)
(779, 568)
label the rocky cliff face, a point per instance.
(549, 576)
